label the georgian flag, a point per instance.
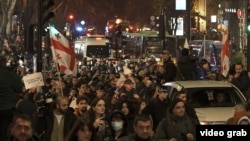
(62, 52)
(225, 52)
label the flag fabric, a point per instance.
(62, 52)
(225, 52)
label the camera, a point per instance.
(45, 102)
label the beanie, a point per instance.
(173, 103)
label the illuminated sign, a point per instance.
(180, 4)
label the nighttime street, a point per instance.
(134, 70)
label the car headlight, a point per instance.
(203, 123)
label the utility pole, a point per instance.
(162, 28)
(44, 15)
(39, 37)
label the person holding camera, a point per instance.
(156, 106)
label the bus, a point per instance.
(92, 46)
(147, 44)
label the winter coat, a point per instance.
(175, 127)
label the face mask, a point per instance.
(117, 125)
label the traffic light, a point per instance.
(46, 11)
(157, 22)
(71, 17)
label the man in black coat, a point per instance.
(10, 86)
(187, 65)
(169, 66)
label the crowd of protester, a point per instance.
(107, 101)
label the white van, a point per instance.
(93, 46)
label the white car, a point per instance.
(201, 94)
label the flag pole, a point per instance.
(204, 47)
(59, 78)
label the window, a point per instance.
(213, 97)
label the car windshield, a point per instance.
(213, 97)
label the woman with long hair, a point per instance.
(98, 116)
(83, 130)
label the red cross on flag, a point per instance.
(62, 52)
(225, 52)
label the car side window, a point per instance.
(211, 98)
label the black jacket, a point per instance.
(170, 70)
(10, 86)
(157, 109)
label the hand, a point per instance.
(190, 136)
(136, 96)
(98, 122)
(236, 75)
(230, 78)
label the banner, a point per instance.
(33, 80)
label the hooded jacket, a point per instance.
(125, 125)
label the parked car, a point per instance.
(202, 95)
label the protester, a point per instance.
(10, 86)
(22, 129)
(83, 130)
(188, 106)
(118, 125)
(186, 65)
(169, 66)
(202, 70)
(177, 125)
(55, 125)
(143, 126)
(98, 116)
(158, 106)
(239, 78)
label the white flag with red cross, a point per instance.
(225, 64)
(62, 52)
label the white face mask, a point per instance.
(117, 126)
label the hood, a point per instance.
(217, 115)
(122, 115)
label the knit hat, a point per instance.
(173, 103)
(239, 116)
